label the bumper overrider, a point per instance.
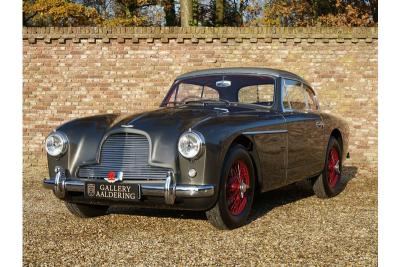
(61, 185)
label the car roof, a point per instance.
(244, 71)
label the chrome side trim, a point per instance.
(225, 110)
(265, 132)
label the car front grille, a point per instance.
(128, 153)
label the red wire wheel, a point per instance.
(333, 167)
(236, 192)
(237, 187)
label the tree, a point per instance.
(219, 10)
(235, 13)
(320, 12)
(252, 12)
(128, 12)
(58, 13)
(232, 13)
(348, 14)
(103, 7)
(170, 15)
(186, 13)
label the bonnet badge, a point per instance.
(112, 177)
(127, 126)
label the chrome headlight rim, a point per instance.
(201, 141)
(64, 140)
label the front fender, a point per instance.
(84, 136)
(219, 134)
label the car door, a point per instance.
(270, 136)
(305, 132)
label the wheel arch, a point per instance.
(248, 143)
(338, 135)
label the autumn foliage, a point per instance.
(234, 13)
(59, 13)
(69, 13)
(320, 13)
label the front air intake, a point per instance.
(128, 153)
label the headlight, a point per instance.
(190, 144)
(56, 144)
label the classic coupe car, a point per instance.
(219, 137)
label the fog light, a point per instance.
(192, 173)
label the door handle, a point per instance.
(319, 124)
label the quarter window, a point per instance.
(311, 100)
(294, 97)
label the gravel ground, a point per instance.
(288, 227)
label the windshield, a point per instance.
(248, 89)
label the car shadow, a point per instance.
(159, 213)
(263, 203)
(267, 201)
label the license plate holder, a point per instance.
(112, 191)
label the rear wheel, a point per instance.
(236, 191)
(85, 210)
(330, 183)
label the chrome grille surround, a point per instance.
(126, 152)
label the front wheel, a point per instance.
(330, 182)
(236, 191)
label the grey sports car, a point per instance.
(219, 136)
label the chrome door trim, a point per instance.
(266, 132)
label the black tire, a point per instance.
(221, 215)
(306, 185)
(323, 186)
(85, 210)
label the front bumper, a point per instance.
(168, 189)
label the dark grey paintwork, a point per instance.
(285, 146)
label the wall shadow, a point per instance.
(263, 203)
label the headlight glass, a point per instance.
(56, 144)
(190, 144)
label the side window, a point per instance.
(294, 96)
(311, 99)
(262, 94)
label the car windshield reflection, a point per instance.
(222, 89)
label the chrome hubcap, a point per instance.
(243, 188)
(337, 167)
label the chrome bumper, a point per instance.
(169, 189)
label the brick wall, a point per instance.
(75, 72)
